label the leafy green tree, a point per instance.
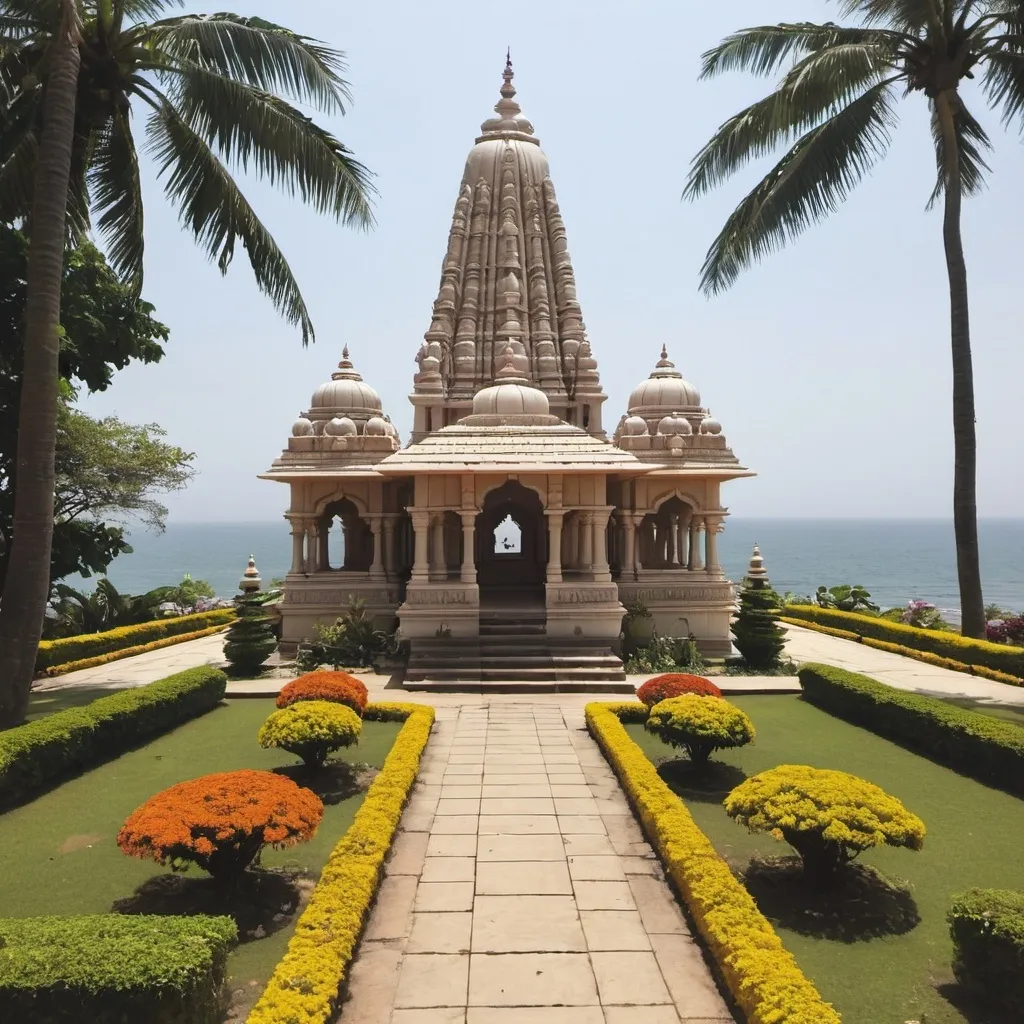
(105, 469)
(187, 595)
(218, 93)
(834, 111)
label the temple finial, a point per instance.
(756, 569)
(664, 361)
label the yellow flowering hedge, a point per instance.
(311, 729)
(965, 650)
(128, 652)
(827, 816)
(305, 985)
(760, 972)
(700, 725)
(908, 652)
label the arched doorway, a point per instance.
(664, 536)
(346, 542)
(511, 545)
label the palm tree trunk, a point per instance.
(965, 506)
(27, 585)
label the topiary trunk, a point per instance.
(823, 860)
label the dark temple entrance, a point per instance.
(511, 546)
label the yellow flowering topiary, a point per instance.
(312, 729)
(828, 817)
(700, 725)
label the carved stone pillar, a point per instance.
(438, 565)
(682, 535)
(571, 543)
(468, 571)
(694, 564)
(712, 527)
(377, 565)
(629, 545)
(599, 529)
(421, 549)
(672, 540)
(586, 546)
(312, 555)
(389, 545)
(298, 544)
(554, 569)
(323, 554)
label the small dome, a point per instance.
(634, 426)
(392, 430)
(664, 389)
(302, 427)
(346, 390)
(376, 426)
(510, 394)
(674, 424)
(710, 426)
(340, 426)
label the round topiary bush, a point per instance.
(827, 816)
(675, 684)
(312, 729)
(699, 725)
(338, 687)
(221, 822)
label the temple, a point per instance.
(507, 536)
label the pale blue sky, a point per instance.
(828, 365)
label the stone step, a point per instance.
(519, 683)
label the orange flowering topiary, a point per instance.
(221, 821)
(675, 684)
(339, 687)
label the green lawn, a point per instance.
(45, 702)
(60, 854)
(975, 837)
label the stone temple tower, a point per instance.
(507, 278)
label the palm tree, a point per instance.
(219, 93)
(835, 109)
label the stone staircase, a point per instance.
(514, 654)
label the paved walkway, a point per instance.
(521, 891)
(895, 669)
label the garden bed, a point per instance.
(885, 958)
(61, 856)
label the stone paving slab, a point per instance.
(527, 906)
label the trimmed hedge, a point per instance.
(999, 657)
(35, 755)
(109, 969)
(307, 982)
(89, 645)
(979, 746)
(760, 972)
(987, 928)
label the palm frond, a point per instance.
(764, 49)
(35, 14)
(257, 52)
(807, 184)
(215, 211)
(253, 128)
(817, 86)
(972, 140)
(137, 10)
(1004, 83)
(908, 15)
(17, 177)
(117, 198)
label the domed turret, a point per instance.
(675, 424)
(340, 426)
(376, 426)
(634, 426)
(302, 427)
(346, 392)
(510, 394)
(710, 425)
(664, 391)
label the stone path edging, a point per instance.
(521, 890)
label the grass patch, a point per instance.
(868, 955)
(1006, 712)
(47, 702)
(60, 854)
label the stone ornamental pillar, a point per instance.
(629, 545)
(298, 543)
(674, 555)
(572, 543)
(694, 563)
(599, 520)
(468, 571)
(438, 568)
(377, 565)
(323, 555)
(389, 545)
(713, 526)
(312, 555)
(421, 551)
(682, 535)
(586, 546)
(554, 569)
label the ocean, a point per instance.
(896, 559)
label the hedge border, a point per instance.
(964, 650)
(981, 671)
(307, 982)
(37, 754)
(128, 652)
(760, 972)
(976, 745)
(88, 645)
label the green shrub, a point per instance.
(982, 747)
(828, 817)
(665, 654)
(352, 642)
(250, 638)
(756, 631)
(113, 969)
(987, 927)
(947, 645)
(700, 725)
(36, 755)
(88, 645)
